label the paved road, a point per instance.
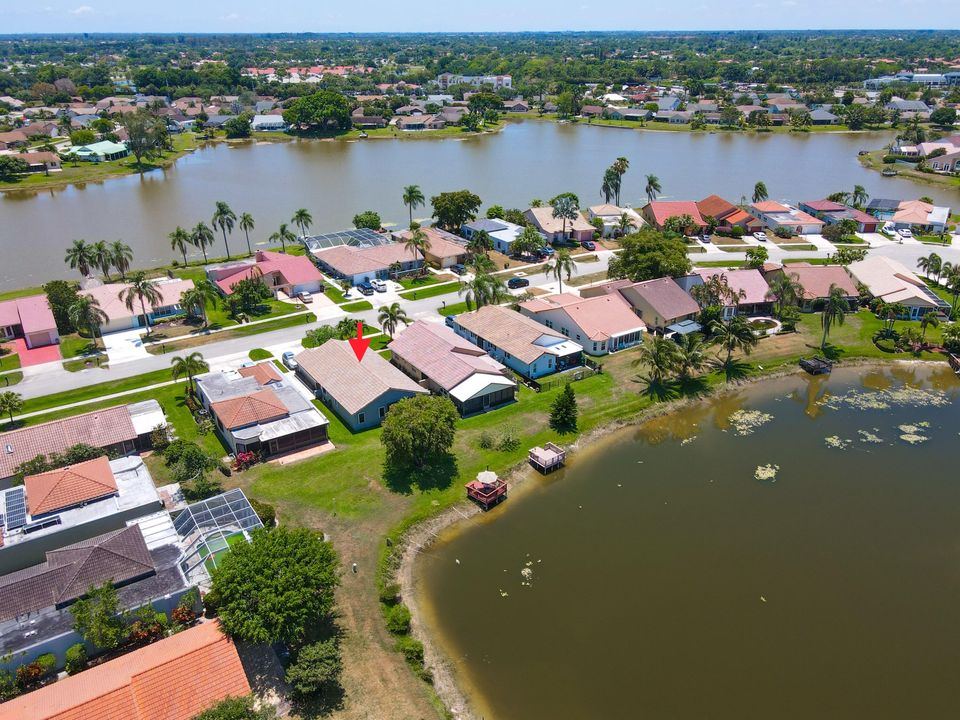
(52, 378)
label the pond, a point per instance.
(336, 180)
(789, 550)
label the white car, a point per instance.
(905, 233)
(305, 297)
(761, 236)
(289, 359)
(379, 285)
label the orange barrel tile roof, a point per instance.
(69, 486)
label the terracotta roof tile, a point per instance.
(69, 486)
(258, 407)
(264, 373)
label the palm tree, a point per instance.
(85, 312)
(928, 320)
(480, 243)
(736, 334)
(481, 263)
(608, 186)
(625, 223)
(653, 187)
(283, 236)
(224, 218)
(303, 220)
(246, 224)
(390, 316)
(143, 289)
(562, 264)
(202, 237)
(692, 355)
(760, 192)
(932, 263)
(417, 243)
(953, 285)
(483, 289)
(80, 257)
(102, 258)
(203, 294)
(120, 256)
(786, 289)
(192, 364)
(179, 241)
(661, 357)
(413, 198)
(10, 403)
(620, 167)
(565, 209)
(834, 311)
(859, 196)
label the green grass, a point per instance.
(260, 354)
(90, 392)
(281, 367)
(10, 361)
(721, 263)
(432, 291)
(74, 345)
(161, 348)
(10, 378)
(940, 291)
(855, 337)
(934, 239)
(358, 306)
(455, 309)
(80, 363)
(809, 261)
(334, 293)
(409, 283)
(22, 292)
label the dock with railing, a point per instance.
(547, 458)
(487, 490)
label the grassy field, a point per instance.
(93, 391)
(874, 161)
(421, 281)
(10, 361)
(454, 309)
(23, 292)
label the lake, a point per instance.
(336, 180)
(664, 580)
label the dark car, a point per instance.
(517, 282)
(365, 287)
(545, 251)
(588, 245)
(459, 269)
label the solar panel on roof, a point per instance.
(15, 505)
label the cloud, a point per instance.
(231, 17)
(789, 3)
(82, 10)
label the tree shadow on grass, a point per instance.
(692, 385)
(831, 351)
(437, 474)
(734, 369)
(658, 390)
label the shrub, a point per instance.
(508, 441)
(8, 686)
(76, 658)
(398, 619)
(205, 426)
(737, 232)
(412, 650)
(266, 513)
(245, 459)
(237, 708)
(783, 232)
(47, 663)
(160, 437)
(317, 668)
(390, 594)
(28, 674)
(486, 440)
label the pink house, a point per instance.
(291, 274)
(29, 318)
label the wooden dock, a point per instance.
(487, 490)
(816, 365)
(547, 458)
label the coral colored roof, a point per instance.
(259, 407)
(746, 279)
(264, 373)
(716, 207)
(600, 317)
(293, 269)
(32, 313)
(172, 679)
(664, 209)
(69, 486)
(770, 206)
(740, 216)
(817, 280)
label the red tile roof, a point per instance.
(264, 373)
(172, 679)
(716, 207)
(69, 486)
(663, 209)
(259, 407)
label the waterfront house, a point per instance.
(502, 233)
(257, 409)
(443, 248)
(522, 344)
(37, 162)
(268, 123)
(823, 117)
(290, 274)
(591, 111)
(911, 214)
(894, 283)
(360, 264)
(659, 303)
(359, 392)
(949, 163)
(368, 122)
(673, 117)
(516, 106)
(557, 230)
(29, 318)
(833, 212)
(13, 139)
(659, 211)
(448, 365)
(775, 215)
(817, 280)
(119, 317)
(727, 215)
(610, 216)
(601, 325)
(420, 122)
(101, 151)
(755, 299)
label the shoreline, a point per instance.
(447, 686)
(873, 161)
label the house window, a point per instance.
(361, 417)
(594, 345)
(549, 324)
(563, 331)
(383, 412)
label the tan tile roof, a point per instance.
(69, 486)
(259, 407)
(508, 330)
(264, 373)
(439, 243)
(544, 219)
(749, 280)
(100, 428)
(817, 279)
(172, 679)
(353, 261)
(442, 355)
(667, 298)
(600, 317)
(353, 384)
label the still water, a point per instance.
(336, 180)
(666, 581)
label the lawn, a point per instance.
(162, 348)
(432, 291)
(73, 345)
(358, 306)
(258, 354)
(23, 292)
(334, 293)
(455, 309)
(10, 361)
(720, 263)
(412, 283)
(93, 391)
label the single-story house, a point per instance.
(41, 161)
(558, 230)
(610, 215)
(923, 215)
(659, 211)
(291, 274)
(817, 281)
(949, 163)
(667, 102)
(628, 113)
(516, 106)
(448, 365)
(774, 215)
(360, 264)
(367, 122)
(101, 151)
(13, 139)
(659, 303)
(893, 282)
(591, 111)
(256, 409)
(833, 212)
(30, 318)
(121, 318)
(443, 249)
(823, 117)
(601, 324)
(501, 232)
(755, 300)
(522, 344)
(674, 117)
(359, 392)
(421, 122)
(268, 123)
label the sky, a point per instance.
(244, 16)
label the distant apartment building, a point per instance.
(445, 80)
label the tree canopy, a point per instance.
(418, 429)
(327, 110)
(453, 209)
(650, 254)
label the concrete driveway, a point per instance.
(125, 346)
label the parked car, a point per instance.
(905, 233)
(448, 321)
(365, 287)
(515, 283)
(545, 251)
(761, 236)
(379, 285)
(705, 237)
(289, 359)
(458, 268)
(588, 245)
(305, 297)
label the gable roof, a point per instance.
(109, 297)
(172, 679)
(69, 486)
(349, 260)
(440, 243)
(661, 210)
(667, 299)
(716, 207)
(600, 317)
(747, 279)
(543, 218)
(892, 281)
(512, 332)
(293, 269)
(264, 373)
(353, 384)
(258, 407)
(32, 313)
(817, 280)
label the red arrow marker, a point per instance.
(359, 343)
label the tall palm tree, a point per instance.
(692, 356)
(202, 237)
(85, 312)
(10, 403)
(608, 188)
(562, 264)
(735, 334)
(145, 290)
(80, 257)
(565, 209)
(204, 294)
(953, 285)
(417, 243)
(246, 224)
(661, 357)
(121, 255)
(224, 218)
(284, 235)
(413, 198)
(390, 317)
(102, 258)
(653, 187)
(834, 311)
(760, 192)
(303, 220)
(192, 364)
(480, 243)
(620, 167)
(928, 320)
(180, 240)
(930, 264)
(483, 289)
(786, 289)
(859, 196)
